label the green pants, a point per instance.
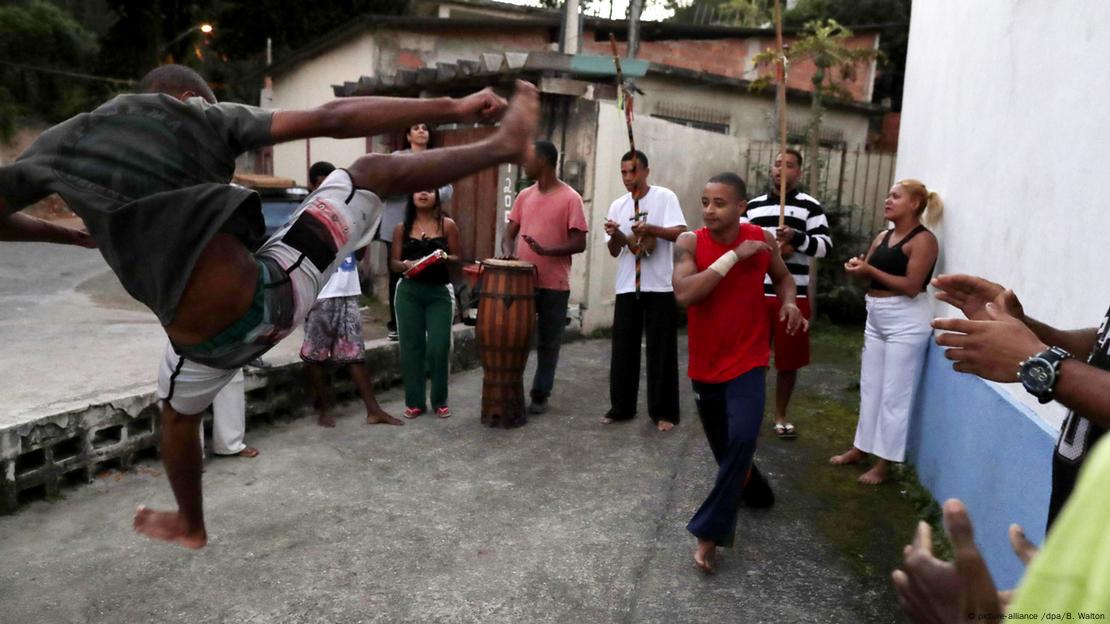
(424, 313)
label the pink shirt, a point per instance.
(548, 218)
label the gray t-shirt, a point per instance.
(394, 212)
(149, 176)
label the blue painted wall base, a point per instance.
(971, 441)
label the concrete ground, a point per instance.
(73, 337)
(563, 520)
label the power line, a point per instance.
(62, 72)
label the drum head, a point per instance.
(517, 265)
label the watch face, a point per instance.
(1037, 375)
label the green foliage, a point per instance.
(825, 44)
(840, 297)
(746, 13)
(35, 36)
(892, 17)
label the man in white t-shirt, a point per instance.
(652, 309)
(333, 333)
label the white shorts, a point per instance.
(189, 386)
(332, 222)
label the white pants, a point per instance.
(350, 217)
(894, 342)
(229, 417)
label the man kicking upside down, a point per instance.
(148, 173)
(718, 277)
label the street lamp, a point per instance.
(205, 28)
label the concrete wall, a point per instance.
(310, 85)
(671, 150)
(1019, 159)
(971, 442)
(750, 114)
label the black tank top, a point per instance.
(417, 248)
(893, 260)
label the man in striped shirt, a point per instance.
(805, 235)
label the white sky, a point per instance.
(653, 12)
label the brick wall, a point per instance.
(732, 58)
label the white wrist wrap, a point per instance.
(722, 265)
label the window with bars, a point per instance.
(694, 117)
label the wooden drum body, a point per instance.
(506, 319)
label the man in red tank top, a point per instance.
(718, 277)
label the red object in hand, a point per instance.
(422, 264)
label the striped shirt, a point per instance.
(805, 216)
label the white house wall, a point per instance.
(1004, 114)
(310, 85)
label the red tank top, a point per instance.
(728, 330)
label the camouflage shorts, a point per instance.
(333, 332)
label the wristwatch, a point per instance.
(1040, 373)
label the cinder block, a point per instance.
(39, 458)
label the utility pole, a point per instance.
(571, 42)
(634, 10)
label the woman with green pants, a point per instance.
(425, 301)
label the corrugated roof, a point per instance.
(504, 67)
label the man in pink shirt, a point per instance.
(547, 226)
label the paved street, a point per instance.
(71, 335)
(563, 520)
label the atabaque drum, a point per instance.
(506, 319)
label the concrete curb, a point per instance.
(56, 450)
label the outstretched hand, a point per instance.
(794, 319)
(992, 349)
(932, 591)
(485, 106)
(971, 294)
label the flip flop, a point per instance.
(785, 431)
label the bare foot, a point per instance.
(704, 555)
(380, 417)
(326, 420)
(168, 526)
(664, 425)
(875, 476)
(521, 121)
(250, 451)
(851, 456)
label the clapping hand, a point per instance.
(932, 591)
(971, 294)
(857, 266)
(992, 348)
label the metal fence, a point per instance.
(852, 185)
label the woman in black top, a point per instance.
(899, 265)
(425, 302)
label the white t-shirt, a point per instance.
(344, 282)
(663, 210)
